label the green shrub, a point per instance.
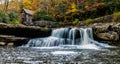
(89, 21)
(76, 21)
(42, 14)
(116, 17)
(13, 16)
(16, 22)
(4, 17)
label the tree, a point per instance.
(41, 14)
(6, 3)
(31, 4)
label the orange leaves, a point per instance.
(73, 9)
(90, 7)
(97, 4)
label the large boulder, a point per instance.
(107, 32)
(109, 36)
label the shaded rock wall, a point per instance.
(20, 34)
(24, 31)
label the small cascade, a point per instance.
(68, 37)
(86, 36)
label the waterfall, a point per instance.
(82, 37)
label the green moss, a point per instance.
(89, 21)
(116, 17)
(76, 21)
(61, 23)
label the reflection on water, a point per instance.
(59, 56)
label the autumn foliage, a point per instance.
(64, 10)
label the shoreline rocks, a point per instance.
(109, 34)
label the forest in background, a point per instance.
(61, 11)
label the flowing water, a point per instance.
(71, 38)
(64, 46)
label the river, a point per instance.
(36, 55)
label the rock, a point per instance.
(49, 24)
(2, 43)
(99, 29)
(24, 31)
(13, 40)
(117, 25)
(10, 44)
(109, 36)
(104, 19)
(20, 34)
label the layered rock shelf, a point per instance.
(20, 34)
(24, 31)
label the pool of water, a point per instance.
(24, 55)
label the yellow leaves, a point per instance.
(27, 4)
(86, 6)
(30, 4)
(73, 6)
(73, 9)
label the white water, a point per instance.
(68, 39)
(63, 52)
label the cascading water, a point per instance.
(78, 37)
